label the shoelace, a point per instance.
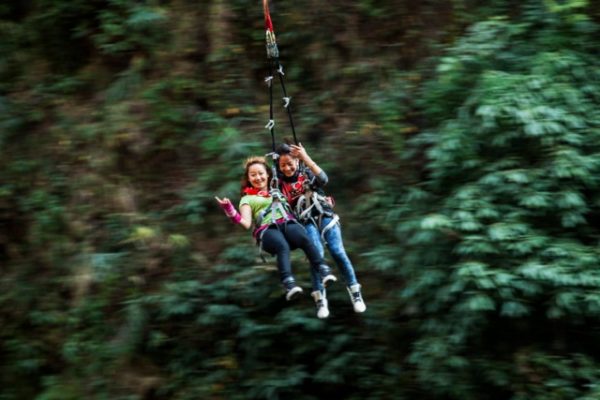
(356, 297)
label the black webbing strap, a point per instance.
(275, 66)
(271, 120)
(288, 106)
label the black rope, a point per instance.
(289, 106)
(275, 66)
(274, 180)
(272, 128)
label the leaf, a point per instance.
(514, 309)
(435, 221)
(479, 302)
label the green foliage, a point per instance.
(505, 240)
(129, 27)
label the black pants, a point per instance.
(279, 240)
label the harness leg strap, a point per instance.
(334, 221)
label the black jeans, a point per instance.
(279, 240)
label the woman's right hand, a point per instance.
(229, 209)
(243, 217)
(298, 151)
(223, 201)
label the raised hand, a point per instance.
(299, 151)
(229, 209)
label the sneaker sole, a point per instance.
(293, 294)
(360, 310)
(328, 279)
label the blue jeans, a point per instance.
(333, 238)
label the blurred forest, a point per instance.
(462, 141)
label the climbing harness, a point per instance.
(311, 200)
(279, 203)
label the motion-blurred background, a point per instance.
(462, 141)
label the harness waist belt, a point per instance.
(257, 232)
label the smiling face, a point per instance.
(288, 165)
(258, 176)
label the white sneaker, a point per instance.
(356, 298)
(321, 303)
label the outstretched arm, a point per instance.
(244, 217)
